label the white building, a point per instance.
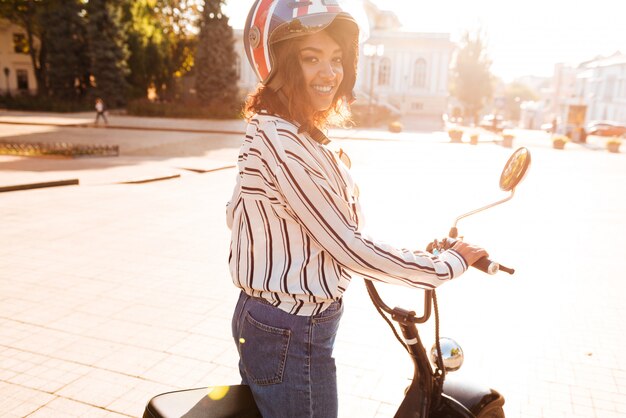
(563, 92)
(601, 85)
(16, 68)
(412, 73)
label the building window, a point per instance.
(417, 106)
(22, 80)
(419, 73)
(20, 45)
(609, 88)
(384, 72)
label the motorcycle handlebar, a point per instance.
(483, 264)
(490, 267)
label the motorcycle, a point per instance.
(430, 395)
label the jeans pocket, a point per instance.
(263, 351)
(326, 324)
(332, 313)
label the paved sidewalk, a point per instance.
(111, 293)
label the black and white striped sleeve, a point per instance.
(326, 215)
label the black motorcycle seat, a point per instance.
(196, 403)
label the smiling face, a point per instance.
(321, 60)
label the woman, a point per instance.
(295, 216)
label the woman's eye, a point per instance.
(310, 60)
(338, 60)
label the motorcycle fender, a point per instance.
(449, 407)
(475, 398)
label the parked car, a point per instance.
(547, 127)
(606, 128)
(493, 123)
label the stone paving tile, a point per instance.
(157, 339)
(43, 374)
(133, 401)
(358, 407)
(179, 371)
(62, 407)
(386, 410)
(18, 401)
(130, 360)
(99, 387)
(200, 347)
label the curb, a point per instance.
(126, 127)
(150, 180)
(72, 182)
(209, 170)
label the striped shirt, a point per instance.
(296, 226)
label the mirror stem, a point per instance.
(453, 230)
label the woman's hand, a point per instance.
(469, 252)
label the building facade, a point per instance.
(16, 68)
(598, 85)
(411, 75)
(601, 85)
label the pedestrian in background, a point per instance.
(101, 111)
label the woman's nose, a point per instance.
(328, 71)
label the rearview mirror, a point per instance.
(515, 169)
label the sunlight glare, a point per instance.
(526, 38)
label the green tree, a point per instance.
(67, 59)
(471, 75)
(27, 14)
(107, 52)
(160, 42)
(216, 78)
(516, 93)
(180, 20)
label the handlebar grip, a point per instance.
(507, 269)
(486, 265)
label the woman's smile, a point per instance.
(323, 89)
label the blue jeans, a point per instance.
(287, 359)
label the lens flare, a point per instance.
(217, 392)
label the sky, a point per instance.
(524, 37)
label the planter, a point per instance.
(507, 141)
(613, 147)
(455, 136)
(559, 141)
(395, 127)
(474, 139)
